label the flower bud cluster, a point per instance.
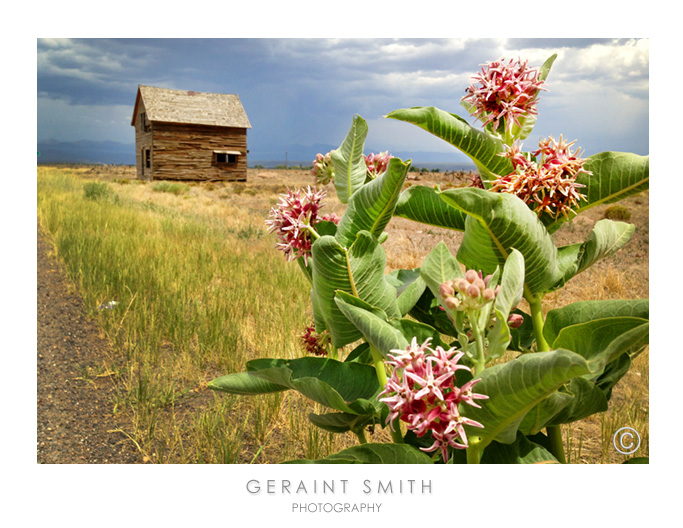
(422, 392)
(315, 342)
(377, 163)
(470, 293)
(323, 168)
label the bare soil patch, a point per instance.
(75, 423)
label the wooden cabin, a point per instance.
(185, 135)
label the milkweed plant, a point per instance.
(447, 356)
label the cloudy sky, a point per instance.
(306, 91)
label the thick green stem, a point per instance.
(537, 319)
(554, 431)
(360, 433)
(556, 447)
(480, 361)
(378, 362)
(473, 455)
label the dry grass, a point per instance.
(273, 428)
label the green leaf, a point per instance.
(539, 417)
(358, 271)
(372, 206)
(616, 175)
(499, 222)
(349, 165)
(370, 323)
(585, 311)
(438, 267)
(482, 148)
(428, 310)
(244, 383)
(516, 387)
(423, 204)
(588, 399)
(508, 297)
(602, 341)
(340, 422)
(409, 287)
(373, 454)
(345, 387)
(606, 239)
(521, 451)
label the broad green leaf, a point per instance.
(420, 331)
(409, 286)
(613, 372)
(375, 329)
(497, 223)
(358, 271)
(345, 387)
(606, 239)
(482, 148)
(423, 204)
(428, 310)
(508, 297)
(588, 400)
(602, 341)
(616, 175)
(340, 422)
(539, 417)
(374, 454)
(438, 267)
(372, 206)
(585, 311)
(244, 383)
(521, 451)
(516, 387)
(349, 165)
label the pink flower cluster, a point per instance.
(377, 163)
(292, 218)
(422, 393)
(547, 185)
(504, 92)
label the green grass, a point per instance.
(198, 296)
(172, 188)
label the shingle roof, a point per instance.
(197, 108)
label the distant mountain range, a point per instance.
(115, 153)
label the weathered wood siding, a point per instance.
(143, 140)
(186, 152)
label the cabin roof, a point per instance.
(189, 107)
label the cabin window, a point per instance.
(225, 157)
(148, 159)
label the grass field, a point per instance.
(200, 291)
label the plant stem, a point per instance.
(537, 319)
(480, 360)
(473, 455)
(378, 362)
(554, 431)
(360, 433)
(555, 438)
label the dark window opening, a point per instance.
(148, 159)
(222, 157)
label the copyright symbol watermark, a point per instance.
(626, 440)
